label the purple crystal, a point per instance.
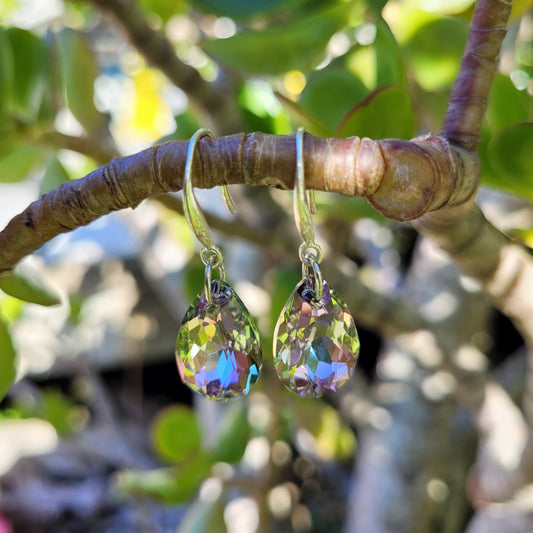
(217, 349)
(315, 342)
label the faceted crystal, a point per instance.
(315, 343)
(217, 349)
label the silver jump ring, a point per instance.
(211, 256)
(313, 268)
(309, 253)
(207, 279)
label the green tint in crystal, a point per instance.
(217, 349)
(315, 343)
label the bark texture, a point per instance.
(401, 179)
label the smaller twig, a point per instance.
(468, 101)
(88, 146)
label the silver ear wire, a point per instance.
(304, 204)
(211, 255)
(193, 214)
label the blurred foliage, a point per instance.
(52, 405)
(333, 439)
(177, 439)
(176, 434)
(78, 71)
(366, 120)
(244, 9)
(367, 52)
(515, 172)
(204, 516)
(274, 50)
(7, 359)
(54, 176)
(26, 283)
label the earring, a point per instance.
(217, 349)
(315, 341)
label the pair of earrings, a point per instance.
(218, 350)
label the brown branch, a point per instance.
(88, 146)
(468, 101)
(401, 179)
(217, 106)
(504, 269)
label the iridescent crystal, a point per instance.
(217, 349)
(315, 343)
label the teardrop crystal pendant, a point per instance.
(316, 343)
(217, 349)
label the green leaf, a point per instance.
(6, 72)
(507, 105)
(379, 63)
(169, 485)
(520, 7)
(330, 93)
(376, 6)
(59, 411)
(20, 162)
(435, 50)
(164, 9)
(176, 433)
(27, 284)
(8, 358)
(194, 277)
(285, 279)
(191, 473)
(301, 116)
(159, 483)
(509, 154)
(186, 125)
(333, 439)
(274, 50)
(54, 176)
(340, 207)
(232, 440)
(260, 108)
(31, 63)
(204, 516)
(244, 9)
(78, 71)
(386, 113)
(450, 7)
(389, 65)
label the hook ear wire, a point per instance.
(193, 214)
(304, 203)
(227, 200)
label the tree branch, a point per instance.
(88, 146)
(401, 179)
(468, 101)
(216, 105)
(504, 269)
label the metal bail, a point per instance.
(310, 257)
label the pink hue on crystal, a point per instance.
(315, 343)
(217, 349)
